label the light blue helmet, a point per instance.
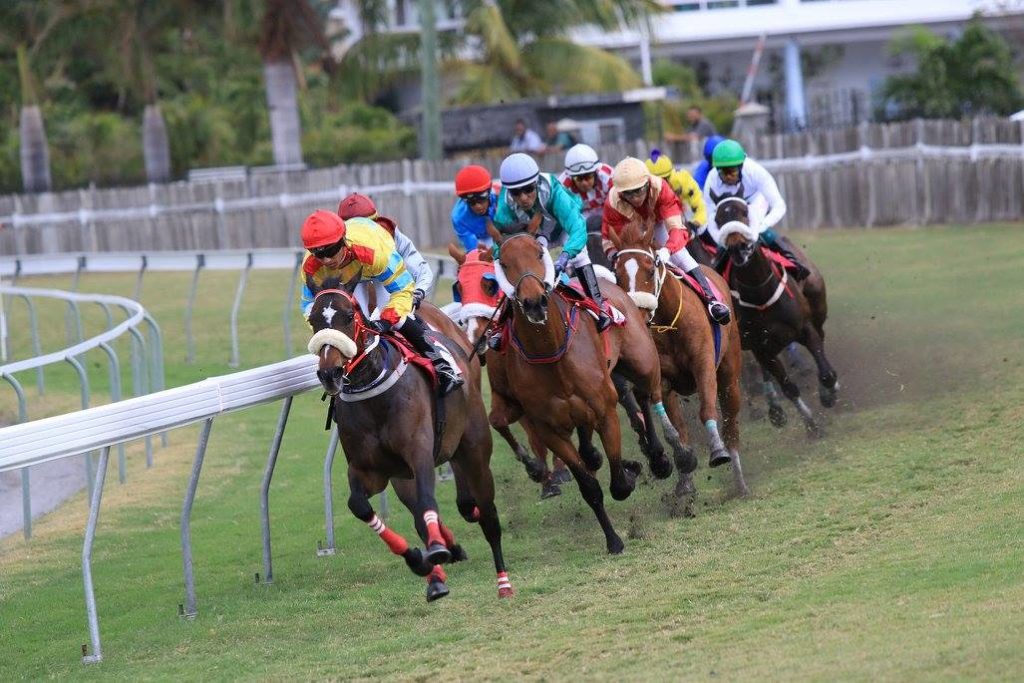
(518, 170)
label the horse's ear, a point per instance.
(493, 232)
(328, 283)
(457, 253)
(350, 286)
(486, 254)
(534, 224)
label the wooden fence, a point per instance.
(934, 172)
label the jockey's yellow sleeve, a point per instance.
(689, 191)
(374, 257)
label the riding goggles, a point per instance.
(581, 167)
(328, 251)
(526, 189)
(636, 192)
(477, 197)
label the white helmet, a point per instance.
(581, 159)
(630, 174)
(518, 170)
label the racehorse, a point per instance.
(393, 427)
(775, 310)
(559, 372)
(696, 355)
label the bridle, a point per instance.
(359, 334)
(527, 274)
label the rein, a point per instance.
(776, 295)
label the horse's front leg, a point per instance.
(706, 378)
(503, 414)
(623, 473)
(422, 463)
(790, 390)
(828, 382)
(359, 504)
(730, 400)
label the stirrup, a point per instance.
(603, 322)
(719, 312)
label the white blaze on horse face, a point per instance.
(328, 314)
(632, 267)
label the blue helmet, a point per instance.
(710, 144)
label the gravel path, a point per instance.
(50, 483)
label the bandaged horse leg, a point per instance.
(437, 586)
(637, 401)
(481, 486)
(405, 489)
(791, 391)
(359, 504)
(426, 506)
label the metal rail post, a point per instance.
(90, 536)
(332, 449)
(26, 493)
(157, 379)
(242, 282)
(189, 610)
(268, 474)
(73, 307)
(190, 344)
(37, 348)
(288, 303)
(115, 395)
(140, 382)
(137, 292)
(83, 380)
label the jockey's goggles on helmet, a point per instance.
(637, 191)
(477, 197)
(580, 167)
(328, 251)
(526, 189)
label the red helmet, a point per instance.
(357, 205)
(472, 179)
(322, 228)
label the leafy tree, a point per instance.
(971, 75)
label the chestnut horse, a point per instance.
(393, 427)
(694, 355)
(775, 311)
(559, 373)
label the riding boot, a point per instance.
(449, 378)
(772, 241)
(588, 278)
(717, 311)
(496, 329)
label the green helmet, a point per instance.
(728, 153)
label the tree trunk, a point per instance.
(35, 155)
(155, 147)
(283, 103)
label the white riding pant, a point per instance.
(362, 295)
(681, 259)
(581, 259)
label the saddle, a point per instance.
(573, 293)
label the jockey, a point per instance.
(586, 176)
(358, 205)
(683, 184)
(700, 172)
(737, 175)
(361, 248)
(639, 197)
(477, 201)
(525, 191)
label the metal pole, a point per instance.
(332, 449)
(137, 293)
(158, 381)
(430, 142)
(37, 347)
(115, 396)
(190, 344)
(140, 382)
(73, 307)
(288, 303)
(26, 494)
(189, 610)
(268, 474)
(242, 281)
(90, 536)
(83, 380)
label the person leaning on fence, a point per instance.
(588, 178)
(525, 139)
(683, 185)
(477, 200)
(638, 198)
(360, 206)
(361, 249)
(737, 175)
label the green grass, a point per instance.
(889, 550)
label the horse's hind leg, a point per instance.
(685, 494)
(359, 504)
(503, 414)
(772, 365)
(776, 413)
(474, 468)
(406, 491)
(729, 398)
(588, 452)
(828, 383)
(637, 402)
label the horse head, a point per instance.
(527, 271)
(339, 331)
(476, 287)
(734, 232)
(638, 268)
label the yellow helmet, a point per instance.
(659, 164)
(629, 174)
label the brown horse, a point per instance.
(393, 427)
(558, 373)
(696, 355)
(775, 311)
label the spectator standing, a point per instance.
(701, 127)
(558, 140)
(526, 139)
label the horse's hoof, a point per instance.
(536, 472)
(624, 489)
(458, 553)
(550, 490)
(436, 590)
(616, 546)
(415, 561)
(827, 397)
(777, 416)
(437, 553)
(563, 476)
(661, 466)
(719, 458)
(505, 592)
(686, 461)
(633, 467)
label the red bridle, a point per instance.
(361, 329)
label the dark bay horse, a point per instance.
(694, 355)
(775, 310)
(393, 427)
(558, 374)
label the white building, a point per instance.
(843, 42)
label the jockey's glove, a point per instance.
(417, 298)
(561, 263)
(663, 255)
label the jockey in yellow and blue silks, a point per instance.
(526, 191)
(361, 249)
